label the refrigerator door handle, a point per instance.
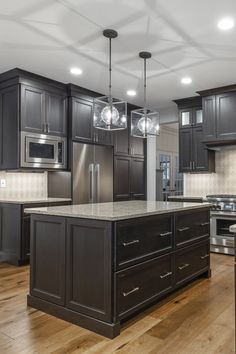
(98, 182)
(91, 183)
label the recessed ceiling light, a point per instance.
(76, 71)
(186, 80)
(226, 24)
(131, 93)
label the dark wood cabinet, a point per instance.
(137, 146)
(87, 293)
(121, 142)
(48, 258)
(209, 113)
(97, 273)
(193, 153)
(189, 117)
(226, 116)
(129, 178)
(42, 111)
(81, 117)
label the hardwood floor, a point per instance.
(198, 319)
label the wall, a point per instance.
(223, 181)
(168, 140)
(24, 185)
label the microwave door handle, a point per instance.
(91, 183)
(97, 170)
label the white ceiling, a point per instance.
(50, 36)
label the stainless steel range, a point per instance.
(223, 215)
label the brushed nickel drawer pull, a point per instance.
(165, 275)
(184, 266)
(131, 291)
(206, 256)
(125, 244)
(205, 223)
(183, 229)
(166, 234)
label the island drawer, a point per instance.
(191, 226)
(138, 285)
(190, 261)
(143, 238)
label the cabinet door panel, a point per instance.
(121, 142)
(89, 267)
(141, 284)
(32, 109)
(47, 276)
(137, 179)
(56, 114)
(185, 150)
(200, 152)
(190, 261)
(185, 118)
(121, 178)
(82, 118)
(137, 146)
(209, 117)
(226, 116)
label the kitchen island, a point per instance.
(95, 265)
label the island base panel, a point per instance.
(109, 330)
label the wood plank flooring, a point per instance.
(198, 319)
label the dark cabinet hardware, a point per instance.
(184, 229)
(166, 234)
(125, 244)
(184, 266)
(134, 290)
(205, 256)
(166, 275)
(205, 223)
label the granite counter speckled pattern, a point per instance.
(116, 210)
(33, 200)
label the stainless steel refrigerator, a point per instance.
(92, 173)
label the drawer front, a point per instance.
(141, 284)
(190, 261)
(192, 227)
(142, 238)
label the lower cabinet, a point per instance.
(129, 178)
(136, 286)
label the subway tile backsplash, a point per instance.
(223, 181)
(24, 185)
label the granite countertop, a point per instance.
(33, 200)
(114, 211)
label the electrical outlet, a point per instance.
(3, 183)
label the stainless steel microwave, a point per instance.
(43, 151)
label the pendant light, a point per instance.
(109, 113)
(145, 122)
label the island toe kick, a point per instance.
(97, 273)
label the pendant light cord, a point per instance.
(110, 68)
(145, 87)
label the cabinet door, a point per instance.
(185, 118)
(225, 113)
(121, 178)
(121, 142)
(56, 114)
(197, 116)
(137, 179)
(82, 119)
(185, 150)
(200, 152)
(209, 117)
(103, 137)
(137, 146)
(47, 276)
(32, 109)
(89, 266)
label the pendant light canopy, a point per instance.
(109, 113)
(145, 122)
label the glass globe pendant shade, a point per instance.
(109, 113)
(144, 123)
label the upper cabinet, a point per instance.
(42, 111)
(193, 153)
(219, 122)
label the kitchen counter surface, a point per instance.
(33, 200)
(114, 211)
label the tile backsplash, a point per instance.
(223, 181)
(24, 185)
